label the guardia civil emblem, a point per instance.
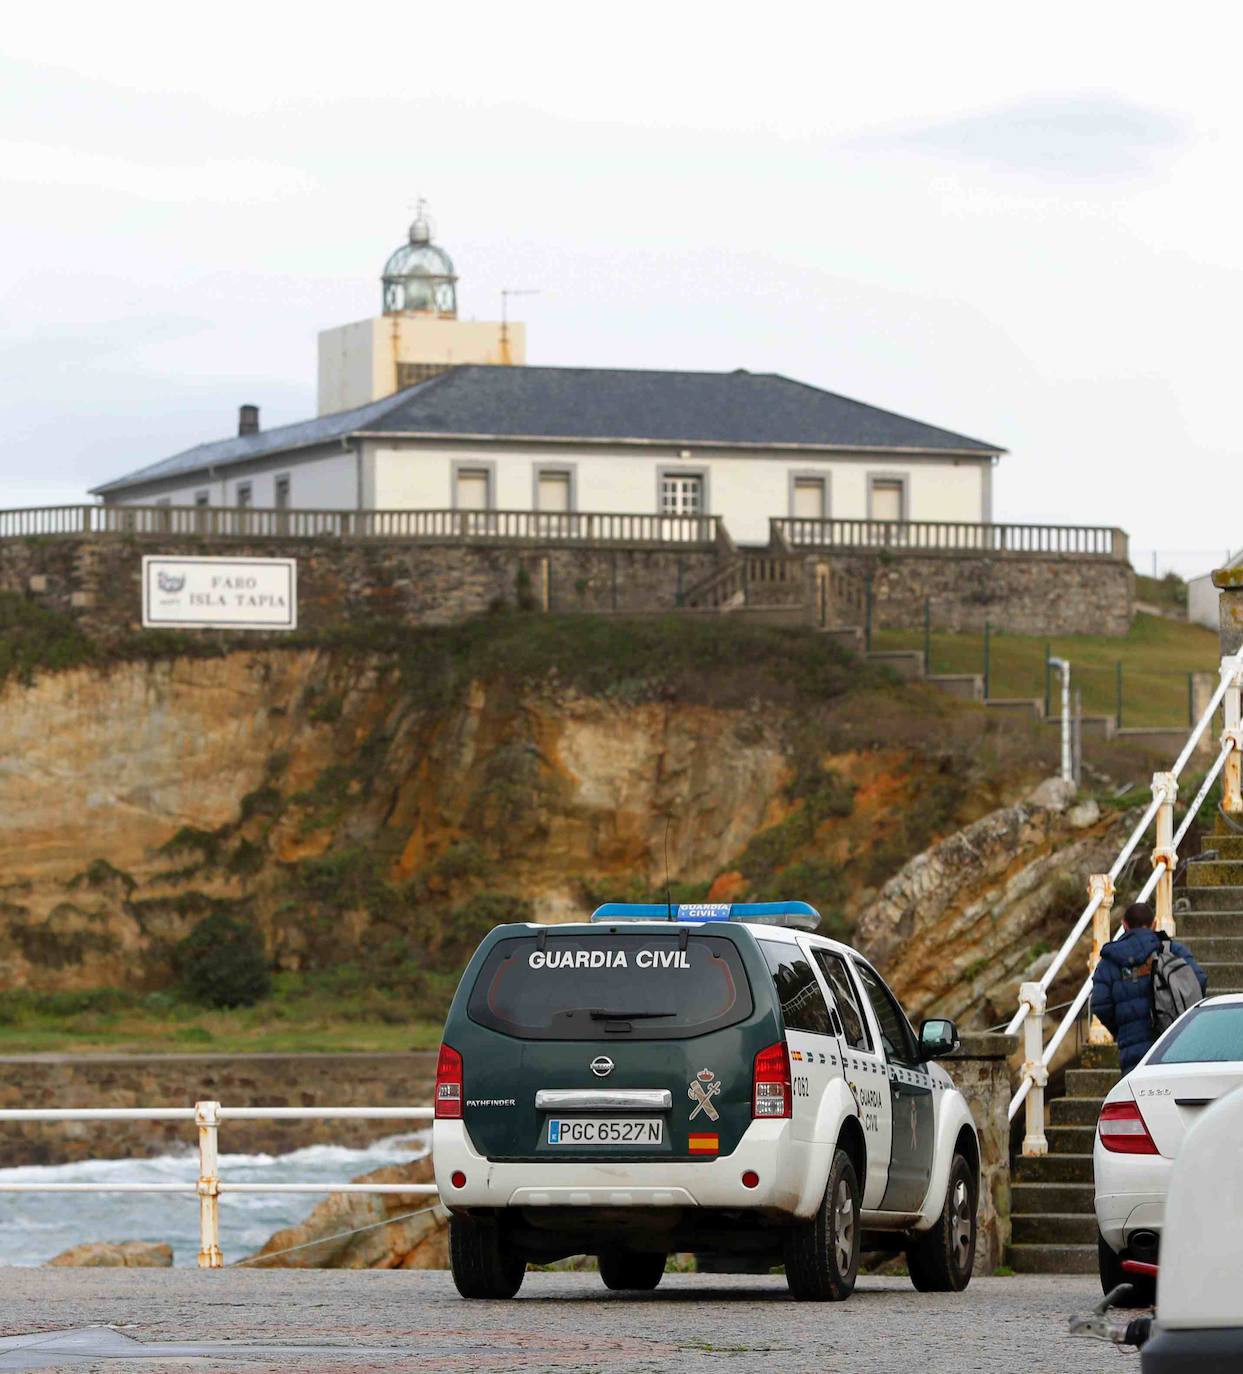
(704, 1087)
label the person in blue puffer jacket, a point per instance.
(1122, 984)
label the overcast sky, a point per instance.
(1022, 223)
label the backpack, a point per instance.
(1175, 986)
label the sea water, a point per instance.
(36, 1226)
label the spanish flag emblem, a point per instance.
(704, 1144)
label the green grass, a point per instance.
(1156, 657)
(304, 1015)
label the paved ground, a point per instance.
(353, 1321)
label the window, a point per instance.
(854, 1026)
(282, 493)
(245, 494)
(472, 489)
(202, 498)
(580, 987)
(1209, 1035)
(808, 499)
(552, 492)
(886, 498)
(802, 1003)
(681, 493)
(895, 1030)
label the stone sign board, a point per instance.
(220, 593)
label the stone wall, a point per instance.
(981, 1072)
(179, 1080)
(1028, 594)
(98, 580)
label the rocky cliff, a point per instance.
(380, 800)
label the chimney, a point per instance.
(248, 419)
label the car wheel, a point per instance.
(940, 1259)
(1143, 1288)
(484, 1262)
(639, 1271)
(822, 1255)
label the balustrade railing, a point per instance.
(429, 526)
(954, 536)
(1038, 1054)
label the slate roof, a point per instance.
(725, 408)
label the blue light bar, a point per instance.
(797, 915)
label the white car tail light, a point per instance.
(771, 1086)
(448, 1084)
(1122, 1129)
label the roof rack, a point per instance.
(792, 915)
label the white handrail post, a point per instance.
(1068, 768)
(1232, 706)
(207, 1115)
(1034, 1142)
(1165, 787)
(1102, 885)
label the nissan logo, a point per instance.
(602, 1066)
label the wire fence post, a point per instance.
(1191, 699)
(1034, 1142)
(1048, 664)
(1118, 695)
(1102, 885)
(987, 630)
(927, 636)
(207, 1116)
(1164, 858)
(867, 615)
(1232, 708)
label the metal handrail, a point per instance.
(1038, 1055)
(209, 1186)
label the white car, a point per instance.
(1140, 1131)
(707, 1078)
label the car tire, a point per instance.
(822, 1255)
(483, 1261)
(638, 1271)
(940, 1259)
(1109, 1262)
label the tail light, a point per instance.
(771, 1095)
(1123, 1131)
(448, 1084)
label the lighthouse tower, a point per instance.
(417, 335)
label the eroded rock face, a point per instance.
(128, 1254)
(957, 927)
(420, 1241)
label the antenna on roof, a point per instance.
(507, 291)
(668, 893)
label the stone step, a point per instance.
(1213, 898)
(1093, 1083)
(1215, 873)
(1035, 1199)
(1222, 977)
(1070, 1140)
(1074, 1111)
(1053, 1228)
(1216, 949)
(1099, 1057)
(1227, 846)
(1195, 925)
(1053, 1169)
(1053, 1259)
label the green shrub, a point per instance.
(221, 963)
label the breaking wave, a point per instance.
(36, 1226)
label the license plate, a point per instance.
(606, 1130)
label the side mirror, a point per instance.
(937, 1037)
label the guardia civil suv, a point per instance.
(705, 1078)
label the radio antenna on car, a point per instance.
(668, 893)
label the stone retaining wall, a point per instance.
(981, 1072)
(179, 1080)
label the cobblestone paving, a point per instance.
(398, 1321)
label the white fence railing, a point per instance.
(209, 1186)
(1038, 1055)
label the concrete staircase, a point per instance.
(1053, 1227)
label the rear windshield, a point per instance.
(1207, 1035)
(591, 987)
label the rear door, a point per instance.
(1198, 1059)
(810, 1039)
(612, 1044)
(910, 1090)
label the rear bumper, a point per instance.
(1195, 1350)
(1130, 1194)
(767, 1148)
